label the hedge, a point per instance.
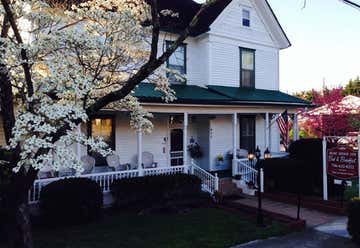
(155, 191)
(302, 168)
(354, 219)
(71, 200)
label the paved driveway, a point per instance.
(307, 239)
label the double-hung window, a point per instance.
(247, 68)
(176, 62)
(246, 18)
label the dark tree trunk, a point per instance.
(22, 231)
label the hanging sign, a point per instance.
(343, 162)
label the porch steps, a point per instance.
(241, 184)
(228, 188)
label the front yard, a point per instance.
(205, 227)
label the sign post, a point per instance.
(358, 141)
(325, 181)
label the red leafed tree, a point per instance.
(334, 116)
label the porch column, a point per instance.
(267, 131)
(185, 139)
(139, 152)
(296, 127)
(234, 121)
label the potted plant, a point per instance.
(195, 150)
(220, 160)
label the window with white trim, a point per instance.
(246, 18)
(176, 62)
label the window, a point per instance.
(247, 68)
(104, 127)
(247, 133)
(176, 62)
(246, 18)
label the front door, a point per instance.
(247, 133)
(176, 147)
(104, 127)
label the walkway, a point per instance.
(308, 239)
(313, 218)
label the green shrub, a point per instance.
(70, 201)
(306, 159)
(354, 219)
(155, 191)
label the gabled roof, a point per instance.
(187, 9)
(219, 95)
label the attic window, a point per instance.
(246, 18)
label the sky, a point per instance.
(325, 38)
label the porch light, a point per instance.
(251, 156)
(257, 153)
(267, 154)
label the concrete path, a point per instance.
(324, 230)
(337, 227)
(313, 218)
(307, 239)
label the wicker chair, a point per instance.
(148, 160)
(89, 164)
(113, 162)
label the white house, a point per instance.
(232, 91)
(231, 94)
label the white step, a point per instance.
(241, 184)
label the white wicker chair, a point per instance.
(148, 160)
(45, 172)
(89, 164)
(113, 161)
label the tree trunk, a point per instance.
(21, 233)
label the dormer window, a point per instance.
(176, 62)
(246, 18)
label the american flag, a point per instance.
(284, 125)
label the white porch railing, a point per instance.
(209, 182)
(247, 169)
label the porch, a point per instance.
(218, 131)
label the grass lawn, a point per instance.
(204, 227)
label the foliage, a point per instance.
(352, 191)
(203, 227)
(195, 150)
(353, 87)
(287, 174)
(71, 200)
(332, 118)
(354, 219)
(220, 158)
(154, 191)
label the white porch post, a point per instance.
(139, 152)
(267, 131)
(185, 139)
(234, 122)
(296, 127)
(325, 182)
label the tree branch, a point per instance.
(25, 63)
(148, 68)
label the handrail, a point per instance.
(210, 183)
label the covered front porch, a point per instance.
(219, 132)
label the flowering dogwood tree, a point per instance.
(58, 67)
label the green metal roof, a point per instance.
(184, 94)
(218, 95)
(257, 95)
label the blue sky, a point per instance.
(325, 39)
